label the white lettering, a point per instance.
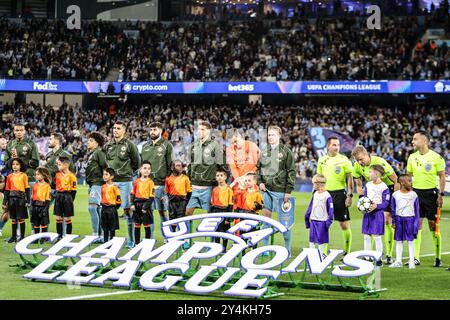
(195, 252)
(250, 279)
(39, 272)
(109, 250)
(82, 267)
(193, 284)
(363, 267)
(146, 281)
(123, 275)
(146, 252)
(281, 254)
(22, 246)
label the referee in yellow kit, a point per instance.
(337, 168)
(425, 165)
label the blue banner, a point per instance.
(319, 137)
(286, 213)
(41, 86)
(279, 87)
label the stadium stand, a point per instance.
(254, 50)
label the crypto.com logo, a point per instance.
(127, 87)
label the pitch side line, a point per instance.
(134, 291)
(99, 295)
(426, 255)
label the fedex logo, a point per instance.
(46, 86)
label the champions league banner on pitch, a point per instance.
(319, 137)
(166, 267)
(279, 87)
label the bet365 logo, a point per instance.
(374, 21)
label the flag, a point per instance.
(286, 213)
(42, 145)
(319, 137)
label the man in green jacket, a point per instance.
(122, 156)
(159, 152)
(276, 168)
(94, 178)
(55, 142)
(206, 156)
(25, 149)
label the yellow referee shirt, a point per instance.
(335, 169)
(424, 169)
(360, 171)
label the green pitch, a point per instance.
(424, 282)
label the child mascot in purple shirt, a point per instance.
(320, 215)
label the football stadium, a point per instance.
(225, 150)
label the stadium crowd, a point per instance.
(386, 132)
(429, 61)
(262, 50)
(42, 49)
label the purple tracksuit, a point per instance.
(319, 217)
(373, 222)
(405, 215)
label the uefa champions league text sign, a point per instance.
(253, 276)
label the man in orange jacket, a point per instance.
(242, 157)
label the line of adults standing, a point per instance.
(274, 164)
(206, 156)
(426, 167)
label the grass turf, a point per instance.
(425, 282)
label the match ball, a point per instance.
(364, 204)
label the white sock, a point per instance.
(411, 251)
(367, 242)
(321, 249)
(399, 251)
(95, 234)
(378, 243)
(312, 245)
